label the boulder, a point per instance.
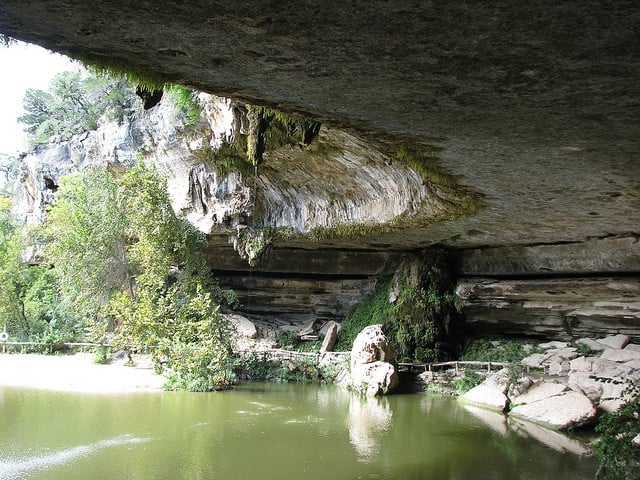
(486, 396)
(325, 328)
(552, 345)
(373, 369)
(535, 360)
(492, 393)
(567, 353)
(603, 367)
(370, 346)
(376, 378)
(580, 364)
(245, 327)
(621, 355)
(584, 383)
(310, 328)
(330, 338)
(569, 409)
(591, 344)
(539, 391)
(557, 367)
(615, 341)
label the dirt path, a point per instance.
(76, 373)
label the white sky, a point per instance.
(23, 66)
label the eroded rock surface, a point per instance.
(373, 369)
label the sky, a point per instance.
(23, 66)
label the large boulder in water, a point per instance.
(492, 393)
(373, 368)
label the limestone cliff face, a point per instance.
(340, 179)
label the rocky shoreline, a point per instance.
(574, 386)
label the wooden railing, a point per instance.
(429, 367)
(51, 347)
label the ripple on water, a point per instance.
(14, 468)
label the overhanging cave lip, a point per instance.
(506, 94)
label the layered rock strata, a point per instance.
(561, 291)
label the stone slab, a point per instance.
(538, 392)
(487, 397)
(591, 344)
(621, 356)
(615, 341)
(559, 412)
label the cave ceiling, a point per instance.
(535, 104)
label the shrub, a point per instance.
(618, 453)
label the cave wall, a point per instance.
(561, 291)
(293, 286)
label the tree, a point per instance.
(74, 104)
(86, 242)
(29, 302)
(126, 261)
(173, 310)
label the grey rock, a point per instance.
(615, 341)
(539, 391)
(491, 393)
(310, 328)
(330, 338)
(585, 383)
(535, 360)
(559, 367)
(373, 369)
(327, 326)
(244, 326)
(555, 345)
(486, 396)
(568, 409)
(591, 344)
(623, 355)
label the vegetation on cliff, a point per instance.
(418, 311)
(77, 102)
(120, 267)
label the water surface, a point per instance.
(267, 431)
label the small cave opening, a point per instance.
(50, 184)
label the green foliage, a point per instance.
(424, 160)
(372, 311)
(100, 356)
(423, 323)
(287, 338)
(350, 230)
(282, 128)
(470, 379)
(618, 453)
(258, 367)
(187, 101)
(504, 350)
(5, 40)
(87, 242)
(74, 103)
(125, 260)
(29, 299)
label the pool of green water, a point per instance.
(271, 431)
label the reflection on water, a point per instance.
(266, 431)
(368, 419)
(18, 467)
(558, 441)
